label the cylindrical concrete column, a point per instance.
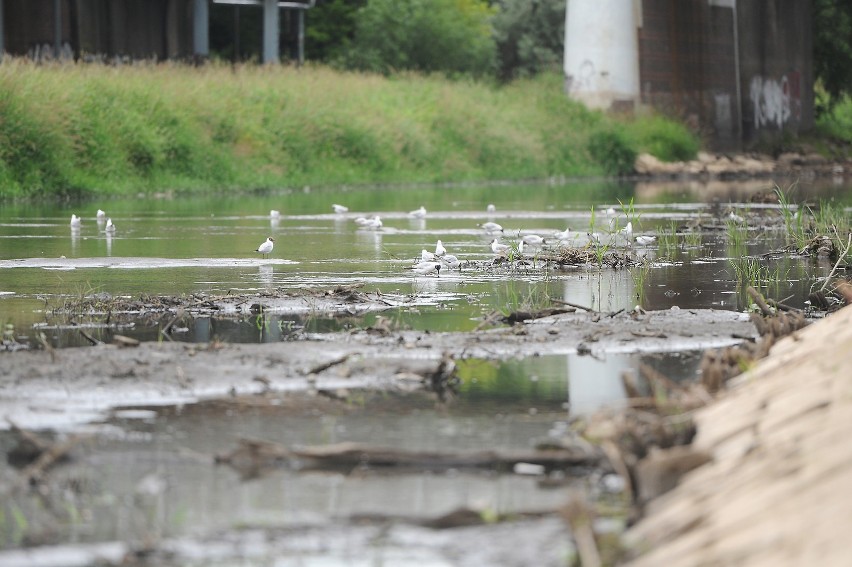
(602, 52)
(270, 31)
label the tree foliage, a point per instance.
(448, 36)
(330, 29)
(530, 37)
(833, 47)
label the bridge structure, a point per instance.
(740, 72)
(135, 29)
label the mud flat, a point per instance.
(777, 488)
(60, 388)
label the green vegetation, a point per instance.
(448, 36)
(86, 130)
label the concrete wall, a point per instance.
(739, 72)
(776, 67)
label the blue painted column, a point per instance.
(200, 29)
(270, 31)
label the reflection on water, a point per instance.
(150, 473)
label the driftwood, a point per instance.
(523, 315)
(36, 455)
(252, 457)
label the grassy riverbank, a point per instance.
(81, 130)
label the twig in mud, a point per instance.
(326, 365)
(758, 299)
(43, 341)
(840, 258)
(569, 304)
(90, 338)
(579, 516)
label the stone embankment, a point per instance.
(707, 165)
(777, 488)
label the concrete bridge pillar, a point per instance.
(602, 52)
(270, 31)
(200, 29)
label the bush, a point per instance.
(666, 139)
(613, 151)
(448, 36)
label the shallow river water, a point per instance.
(146, 476)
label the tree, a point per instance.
(330, 29)
(833, 47)
(530, 37)
(448, 36)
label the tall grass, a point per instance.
(76, 130)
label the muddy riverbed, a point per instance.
(201, 392)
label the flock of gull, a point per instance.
(431, 263)
(109, 228)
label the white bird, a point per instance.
(426, 256)
(427, 268)
(374, 223)
(610, 211)
(563, 234)
(100, 215)
(627, 230)
(490, 227)
(644, 240)
(734, 217)
(418, 213)
(520, 247)
(340, 209)
(266, 247)
(490, 208)
(451, 261)
(76, 221)
(109, 226)
(361, 221)
(273, 214)
(594, 237)
(439, 249)
(532, 240)
(499, 248)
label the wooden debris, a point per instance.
(524, 315)
(36, 455)
(252, 457)
(123, 341)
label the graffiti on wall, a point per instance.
(776, 101)
(584, 80)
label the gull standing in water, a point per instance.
(427, 268)
(499, 248)
(490, 227)
(340, 209)
(627, 231)
(418, 213)
(75, 221)
(100, 216)
(273, 214)
(109, 226)
(266, 247)
(532, 240)
(450, 261)
(426, 256)
(645, 240)
(439, 249)
(563, 234)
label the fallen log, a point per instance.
(252, 457)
